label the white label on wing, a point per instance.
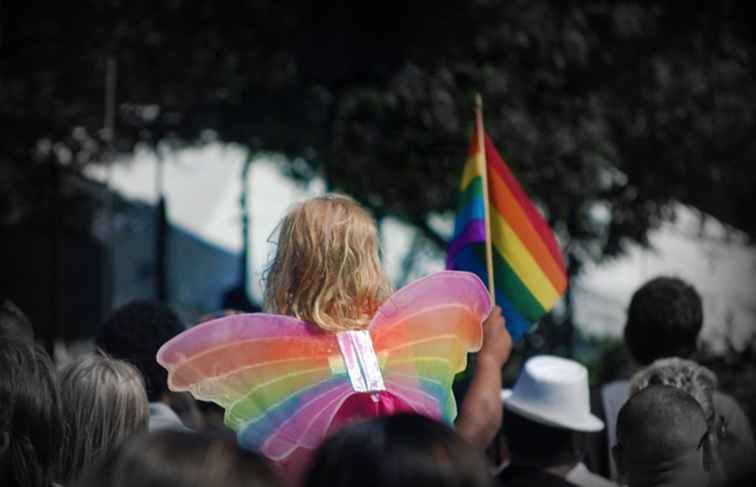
(360, 360)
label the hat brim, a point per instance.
(533, 412)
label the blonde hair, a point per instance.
(327, 269)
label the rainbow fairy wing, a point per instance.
(422, 335)
(280, 380)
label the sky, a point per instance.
(203, 187)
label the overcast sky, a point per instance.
(203, 188)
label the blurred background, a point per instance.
(147, 150)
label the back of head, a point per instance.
(174, 459)
(14, 323)
(134, 333)
(535, 444)
(30, 421)
(660, 436)
(664, 319)
(405, 450)
(686, 375)
(327, 269)
(104, 403)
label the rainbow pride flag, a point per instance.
(528, 268)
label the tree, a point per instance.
(607, 111)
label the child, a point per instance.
(326, 269)
(338, 345)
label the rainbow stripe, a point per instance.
(284, 382)
(529, 272)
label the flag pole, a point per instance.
(483, 170)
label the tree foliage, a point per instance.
(607, 111)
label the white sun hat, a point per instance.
(553, 391)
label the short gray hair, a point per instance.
(104, 403)
(686, 375)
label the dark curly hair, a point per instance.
(134, 333)
(664, 319)
(396, 451)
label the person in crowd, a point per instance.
(664, 319)
(547, 414)
(662, 440)
(14, 323)
(31, 433)
(180, 459)
(326, 273)
(687, 375)
(134, 333)
(404, 450)
(104, 403)
(700, 383)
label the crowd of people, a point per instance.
(110, 417)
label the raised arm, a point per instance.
(480, 414)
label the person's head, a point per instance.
(547, 412)
(686, 375)
(175, 459)
(538, 445)
(326, 269)
(14, 323)
(664, 319)
(397, 451)
(661, 439)
(104, 403)
(31, 434)
(134, 333)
